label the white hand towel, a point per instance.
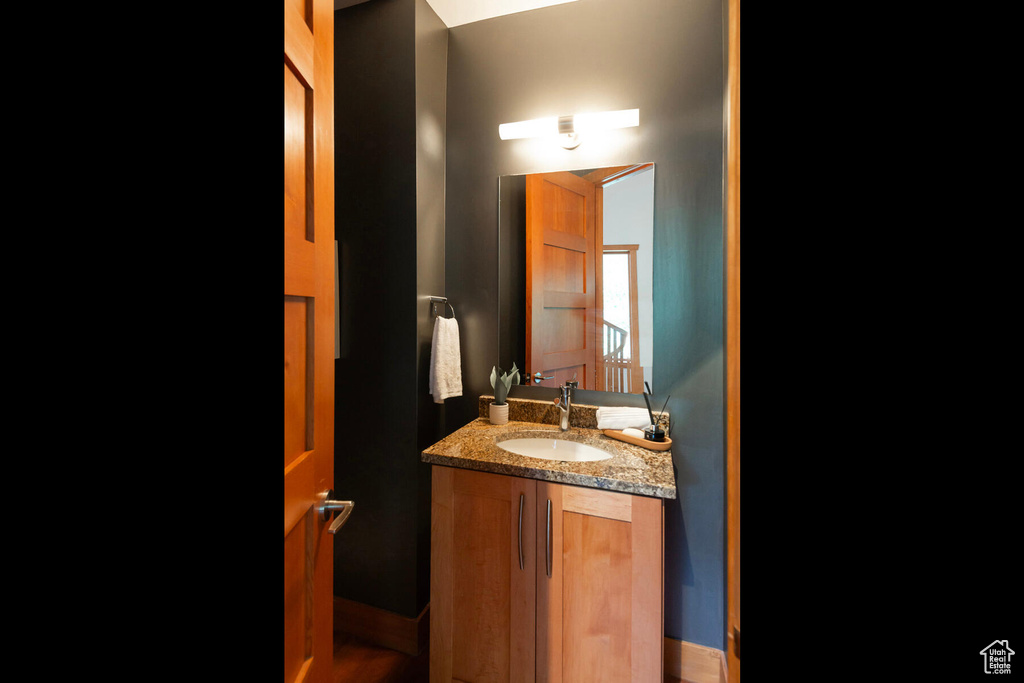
(621, 418)
(445, 360)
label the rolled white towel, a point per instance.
(621, 418)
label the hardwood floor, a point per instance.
(359, 661)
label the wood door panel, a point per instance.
(480, 651)
(597, 503)
(299, 245)
(561, 253)
(565, 271)
(442, 584)
(308, 157)
(298, 371)
(549, 587)
(299, 42)
(566, 203)
(482, 613)
(600, 613)
(298, 598)
(299, 486)
(568, 335)
(298, 6)
(648, 587)
(295, 153)
(597, 567)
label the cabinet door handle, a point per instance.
(521, 497)
(549, 538)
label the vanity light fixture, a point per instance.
(568, 128)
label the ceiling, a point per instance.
(458, 12)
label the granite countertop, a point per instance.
(631, 469)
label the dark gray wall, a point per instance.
(431, 77)
(512, 274)
(665, 57)
(389, 221)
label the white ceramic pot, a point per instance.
(498, 414)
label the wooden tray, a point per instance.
(652, 445)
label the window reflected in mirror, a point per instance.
(620, 332)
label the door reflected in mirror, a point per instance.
(576, 276)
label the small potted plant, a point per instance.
(501, 383)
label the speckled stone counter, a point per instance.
(631, 469)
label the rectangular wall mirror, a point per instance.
(575, 276)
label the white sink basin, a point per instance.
(554, 449)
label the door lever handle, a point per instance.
(326, 507)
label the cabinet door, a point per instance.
(482, 577)
(599, 586)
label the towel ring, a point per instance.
(434, 300)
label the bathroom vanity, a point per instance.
(545, 569)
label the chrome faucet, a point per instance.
(565, 402)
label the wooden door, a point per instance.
(482, 565)
(732, 349)
(308, 336)
(600, 606)
(562, 335)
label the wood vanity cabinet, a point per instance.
(519, 593)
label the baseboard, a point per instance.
(688, 662)
(694, 663)
(381, 627)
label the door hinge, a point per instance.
(736, 641)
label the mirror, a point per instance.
(575, 276)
